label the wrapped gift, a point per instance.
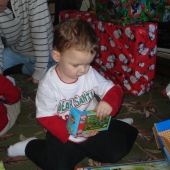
(129, 12)
(127, 54)
(88, 16)
(121, 12)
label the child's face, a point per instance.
(72, 64)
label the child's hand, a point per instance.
(103, 109)
(91, 133)
(33, 80)
(1, 96)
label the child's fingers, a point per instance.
(102, 112)
(29, 79)
(91, 133)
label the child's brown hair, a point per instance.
(75, 33)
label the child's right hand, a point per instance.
(103, 109)
(91, 133)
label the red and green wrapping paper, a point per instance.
(127, 54)
(127, 12)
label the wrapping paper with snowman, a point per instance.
(88, 16)
(127, 55)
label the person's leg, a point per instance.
(127, 120)
(12, 62)
(18, 149)
(11, 58)
(52, 154)
(16, 63)
(28, 68)
(111, 145)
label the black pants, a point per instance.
(107, 146)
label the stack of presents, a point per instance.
(127, 34)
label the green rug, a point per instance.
(145, 110)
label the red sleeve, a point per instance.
(3, 116)
(56, 126)
(114, 98)
(10, 92)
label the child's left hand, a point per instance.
(103, 109)
(91, 133)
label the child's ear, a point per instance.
(56, 55)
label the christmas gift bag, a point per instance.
(127, 55)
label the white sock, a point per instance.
(127, 120)
(18, 149)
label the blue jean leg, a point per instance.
(11, 59)
(28, 68)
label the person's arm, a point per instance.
(107, 91)
(10, 92)
(114, 98)
(46, 111)
(3, 116)
(56, 126)
(42, 35)
(1, 54)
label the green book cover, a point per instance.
(93, 122)
(81, 122)
(1, 166)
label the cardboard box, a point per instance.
(162, 135)
(82, 122)
(156, 165)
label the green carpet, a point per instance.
(145, 110)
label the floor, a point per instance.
(163, 66)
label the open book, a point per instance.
(81, 122)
